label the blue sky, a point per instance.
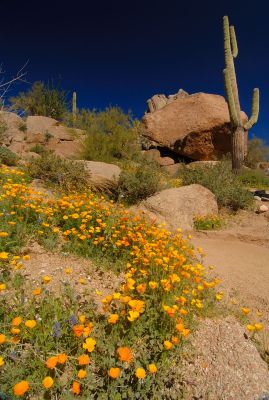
(121, 53)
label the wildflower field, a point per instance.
(59, 345)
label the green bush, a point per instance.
(226, 186)
(111, 135)
(8, 157)
(41, 99)
(38, 148)
(138, 182)
(254, 178)
(257, 152)
(208, 222)
(67, 175)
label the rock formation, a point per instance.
(196, 126)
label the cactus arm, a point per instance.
(255, 109)
(230, 98)
(234, 46)
(229, 64)
(227, 41)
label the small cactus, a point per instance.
(74, 106)
(238, 125)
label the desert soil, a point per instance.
(240, 257)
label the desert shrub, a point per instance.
(138, 182)
(254, 178)
(257, 152)
(208, 222)
(23, 127)
(38, 148)
(226, 186)
(111, 135)
(41, 99)
(8, 157)
(66, 174)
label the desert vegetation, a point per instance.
(78, 187)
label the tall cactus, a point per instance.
(74, 106)
(239, 126)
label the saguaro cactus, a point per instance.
(238, 125)
(74, 106)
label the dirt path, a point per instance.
(240, 256)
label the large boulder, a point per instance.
(195, 126)
(50, 128)
(104, 176)
(178, 207)
(12, 127)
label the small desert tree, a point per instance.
(257, 152)
(239, 126)
(41, 99)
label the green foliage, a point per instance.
(8, 157)
(41, 99)
(138, 182)
(111, 135)
(38, 148)
(226, 186)
(254, 178)
(23, 127)
(208, 222)
(67, 175)
(257, 152)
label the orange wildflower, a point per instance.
(76, 387)
(16, 321)
(81, 373)
(114, 373)
(113, 318)
(78, 330)
(84, 359)
(61, 358)
(21, 388)
(52, 362)
(47, 382)
(125, 354)
(140, 373)
(2, 338)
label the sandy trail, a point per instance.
(242, 267)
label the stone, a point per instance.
(165, 161)
(225, 364)
(68, 149)
(158, 101)
(257, 198)
(196, 126)
(202, 164)
(152, 154)
(11, 123)
(17, 147)
(179, 206)
(263, 208)
(37, 123)
(172, 170)
(104, 176)
(35, 138)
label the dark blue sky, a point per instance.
(123, 52)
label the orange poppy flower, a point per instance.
(125, 354)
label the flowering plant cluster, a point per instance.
(61, 345)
